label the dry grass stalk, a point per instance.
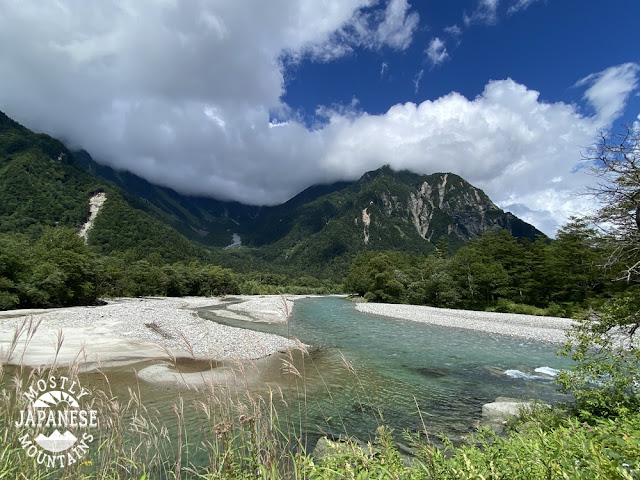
(155, 327)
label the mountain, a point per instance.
(203, 220)
(317, 232)
(43, 184)
(383, 210)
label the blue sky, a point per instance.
(547, 46)
(255, 101)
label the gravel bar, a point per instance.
(531, 327)
(130, 329)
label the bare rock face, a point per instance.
(456, 206)
(433, 206)
(95, 203)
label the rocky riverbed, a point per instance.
(543, 329)
(129, 330)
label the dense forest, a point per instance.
(58, 269)
(496, 272)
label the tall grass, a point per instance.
(231, 431)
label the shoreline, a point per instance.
(163, 330)
(528, 327)
(127, 331)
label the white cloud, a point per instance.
(520, 5)
(383, 68)
(392, 27)
(437, 51)
(609, 90)
(416, 81)
(453, 30)
(486, 12)
(188, 94)
(398, 26)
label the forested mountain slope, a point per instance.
(317, 232)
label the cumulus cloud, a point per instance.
(608, 90)
(436, 51)
(186, 94)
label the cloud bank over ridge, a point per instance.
(185, 94)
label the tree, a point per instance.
(575, 266)
(13, 268)
(607, 373)
(616, 162)
(359, 279)
(479, 273)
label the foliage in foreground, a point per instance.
(245, 441)
(541, 446)
(605, 346)
(246, 435)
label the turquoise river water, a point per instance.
(398, 368)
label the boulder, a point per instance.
(496, 414)
(501, 411)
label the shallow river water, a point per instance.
(361, 371)
(362, 368)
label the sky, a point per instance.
(255, 100)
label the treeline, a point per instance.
(58, 269)
(495, 272)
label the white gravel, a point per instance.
(172, 323)
(128, 329)
(263, 308)
(544, 329)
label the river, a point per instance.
(364, 370)
(361, 371)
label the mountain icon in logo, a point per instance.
(56, 442)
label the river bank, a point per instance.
(529, 327)
(130, 330)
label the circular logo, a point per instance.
(57, 429)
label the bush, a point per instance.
(606, 377)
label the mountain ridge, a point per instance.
(318, 231)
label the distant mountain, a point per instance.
(317, 232)
(203, 220)
(384, 210)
